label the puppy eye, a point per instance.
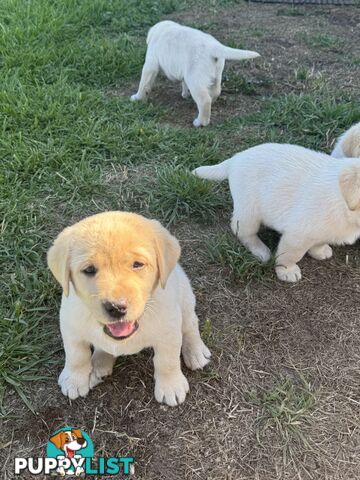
(138, 265)
(90, 270)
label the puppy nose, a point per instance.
(81, 441)
(115, 310)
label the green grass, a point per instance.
(291, 11)
(227, 251)
(284, 410)
(235, 83)
(63, 135)
(303, 74)
(304, 117)
(324, 41)
(59, 131)
(178, 194)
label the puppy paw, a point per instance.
(321, 253)
(74, 384)
(102, 363)
(171, 390)
(196, 356)
(292, 273)
(263, 254)
(79, 471)
(200, 123)
(135, 98)
(185, 94)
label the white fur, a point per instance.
(338, 152)
(310, 198)
(169, 325)
(189, 56)
(352, 138)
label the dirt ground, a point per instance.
(281, 397)
(289, 41)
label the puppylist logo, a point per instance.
(70, 451)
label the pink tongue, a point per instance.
(121, 329)
(70, 453)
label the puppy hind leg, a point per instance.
(102, 366)
(185, 92)
(321, 252)
(246, 232)
(148, 77)
(215, 90)
(202, 99)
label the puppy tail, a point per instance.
(214, 172)
(233, 53)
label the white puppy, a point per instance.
(190, 56)
(348, 145)
(124, 291)
(310, 198)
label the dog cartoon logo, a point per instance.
(70, 444)
(70, 452)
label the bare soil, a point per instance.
(286, 39)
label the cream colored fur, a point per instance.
(189, 56)
(348, 145)
(158, 296)
(312, 199)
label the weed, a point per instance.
(227, 250)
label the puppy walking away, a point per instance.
(189, 56)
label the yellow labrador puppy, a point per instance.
(124, 291)
(348, 144)
(312, 199)
(189, 56)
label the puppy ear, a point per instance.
(167, 252)
(58, 259)
(57, 440)
(350, 187)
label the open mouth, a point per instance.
(121, 330)
(70, 453)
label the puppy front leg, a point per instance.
(171, 385)
(245, 226)
(256, 246)
(289, 252)
(148, 77)
(74, 380)
(195, 353)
